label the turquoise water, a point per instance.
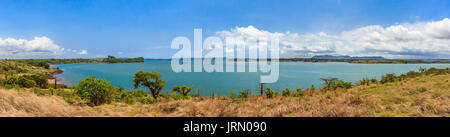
(292, 74)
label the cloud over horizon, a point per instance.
(11, 47)
(417, 40)
(37, 47)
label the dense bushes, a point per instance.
(25, 81)
(40, 79)
(436, 71)
(367, 81)
(333, 84)
(389, 78)
(96, 91)
(412, 74)
(341, 84)
(43, 64)
(11, 68)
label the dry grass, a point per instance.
(27, 104)
(339, 104)
(422, 96)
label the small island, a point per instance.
(47, 62)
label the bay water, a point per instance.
(292, 75)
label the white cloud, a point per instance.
(83, 52)
(418, 40)
(11, 47)
(37, 47)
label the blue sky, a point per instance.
(145, 28)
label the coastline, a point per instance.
(356, 61)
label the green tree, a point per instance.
(151, 80)
(183, 90)
(97, 91)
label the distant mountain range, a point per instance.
(348, 57)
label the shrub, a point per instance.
(183, 90)
(26, 83)
(175, 96)
(12, 80)
(364, 81)
(40, 79)
(388, 78)
(373, 80)
(286, 92)
(336, 83)
(300, 93)
(313, 87)
(367, 81)
(44, 65)
(436, 71)
(232, 94)
(245, 93)
(341, 84)
(146, 100)
(269, 93)
(12, 86)
(97, 91)
(2, 82)
(122, 96)
(412, 74)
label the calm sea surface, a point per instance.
(292, 75)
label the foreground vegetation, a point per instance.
(422, 93)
